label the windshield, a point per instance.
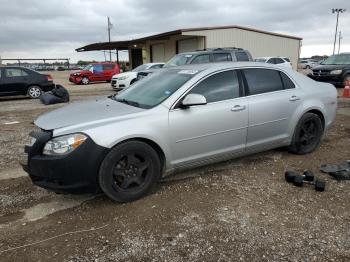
(343, 59)
(140, 68)
(87, 68)
(178, 60)
(154, 89)
(263, 60)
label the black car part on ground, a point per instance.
(307, 177)
(58, 95)
(338, 172)
(76, 172)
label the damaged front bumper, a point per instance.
(76, 172)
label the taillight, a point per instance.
(49, 78)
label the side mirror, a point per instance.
(193, 100)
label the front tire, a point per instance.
(346, 79)
(129, 171)
(34, 92)
(85, 80)
(132, 81)
(307, 134)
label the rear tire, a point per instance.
(129, 171)
(307, 135)
(34, 92)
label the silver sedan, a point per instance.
(175, 119)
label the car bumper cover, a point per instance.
(332, 79)
(76, 172)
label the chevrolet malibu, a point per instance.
(177, 118)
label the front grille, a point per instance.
(320, 72)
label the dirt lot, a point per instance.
(236, 210)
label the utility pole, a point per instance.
(109, 37)
(340, 38)
(336, 10)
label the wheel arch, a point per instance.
(151, 143)
(320, 115)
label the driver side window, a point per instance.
(218, 87)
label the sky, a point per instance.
(55, 28)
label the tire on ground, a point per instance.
(109, 164)
(297, 146)
(34, 91)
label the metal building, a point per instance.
(161, 47)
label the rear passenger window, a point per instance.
(201, 59)
(242, 56)
(97, 69)
(271, 61)
(278, 60)
(262, 80)
(14, 72)
(221, 57)
(218, 87)
(287, 83)
(108, 67)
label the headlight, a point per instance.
(123, 77)
(76, 74)
(336, 72)
(63, 144)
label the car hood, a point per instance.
(328, 67)
(86, 112)
(79, 71)
(128, 74)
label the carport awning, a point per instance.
(117, 45)
(124, 45)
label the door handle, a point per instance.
(237, 108)
(294, 98)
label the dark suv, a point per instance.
(334, 70)
(209, 55)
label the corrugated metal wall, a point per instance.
(259, 44)
(169, 47)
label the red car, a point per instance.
(94, 73)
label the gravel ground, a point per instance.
(236, 210)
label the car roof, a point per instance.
(214, 50)
(222, 66)
(155, 63)
(268, 57)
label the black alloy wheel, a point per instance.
(308, 134)
(129, 171)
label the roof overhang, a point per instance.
(124, 45)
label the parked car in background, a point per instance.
(96, 72)
(307, 64)
(282, 61)
(177, 118)
(335, 70)
(24, 81)
(209, 55)
(124, 80)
